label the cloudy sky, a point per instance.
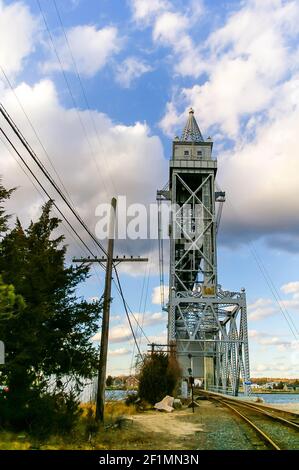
(101, 87)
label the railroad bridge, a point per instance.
(206, 325)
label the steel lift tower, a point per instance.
(206, 325)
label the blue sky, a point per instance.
(142, 65)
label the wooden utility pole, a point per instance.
(111, 261)
(100, 398)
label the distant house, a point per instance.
(118, 382)
(291, 388)
(256, 386)
(132, 382)
(270, 385)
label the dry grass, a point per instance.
(117, 433)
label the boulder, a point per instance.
(165, 405)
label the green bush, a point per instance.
(159, 376)
(41, 414)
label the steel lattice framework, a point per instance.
(207, 325)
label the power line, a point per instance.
(82, 88)
(126, 305)
(43, 188)
(275, 293)
(270, 283)
(34, 130)
(75, 105)
(31, 152)
(43, 197)
(127, 313)
(47, 155)
(71, 94)
(33, 155)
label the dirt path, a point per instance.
(210, 427)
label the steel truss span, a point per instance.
(207, 325)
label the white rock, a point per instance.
(165, 405)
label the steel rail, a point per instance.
(264, 412)
(259, 431)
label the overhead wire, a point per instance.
(48, 158)
(40, 165)
(71, 95)
(33, 129)
(273, 289)
(53, 183)
(29, 149)
(84, 94)
(44, 189)
(69, 88)
(127, 313)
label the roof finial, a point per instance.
(191, 130)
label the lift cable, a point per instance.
(161, 256)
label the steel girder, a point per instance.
(204, 321)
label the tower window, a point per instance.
(199, 153)
(186, 153)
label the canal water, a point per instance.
(89, 392)
(279, 398)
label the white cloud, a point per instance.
(117, 334)
(291, 288)
(156, 295)
(18, 34)
(145, 10)
(131, 69)
(278, 370)
(286, 365)
(119, 352)
(91, 48)
(172, 121)
(260, 309)
(271, 206)
(244, 61)
(104, 165)
(160, 338)
(115, 317)
(171, 29)
(168, 27)
(251, 95)
(150, 319)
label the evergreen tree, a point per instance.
(158, 377)
(4, 195)
(48, 335)
(109, 381)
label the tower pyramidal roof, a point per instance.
(191, 132)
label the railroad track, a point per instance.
(276, 431)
